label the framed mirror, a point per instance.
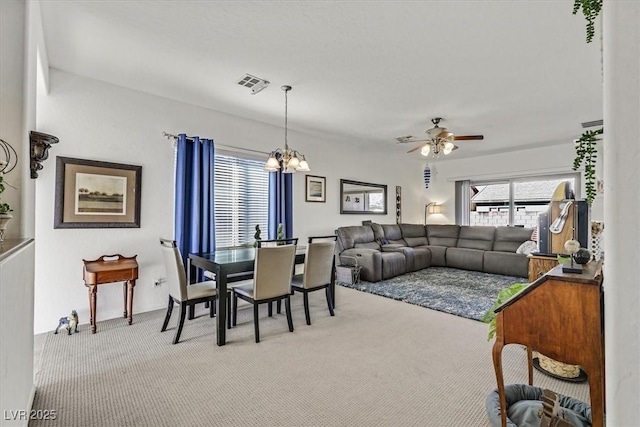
(362, 198)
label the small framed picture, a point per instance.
(93, 194)
(315, 190)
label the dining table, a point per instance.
(229, 265)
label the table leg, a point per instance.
(124, 297)
(132, 284)
(497, 366)
(221, 301)
(530, 364)
(93, 293)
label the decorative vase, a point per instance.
(582, 256)
(597, 231)
(4, 219)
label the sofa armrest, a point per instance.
(369, 259)
(405, 250)
(391, 247)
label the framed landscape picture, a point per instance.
(315, 189)
(93, 194)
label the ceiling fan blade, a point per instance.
(408, 139)
(468, 137)
(419, 147)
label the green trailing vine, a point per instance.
(587, 153)
(591, 9)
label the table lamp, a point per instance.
(572, 246)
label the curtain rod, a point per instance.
(232, 147)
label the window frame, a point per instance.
(511, 181)
(264, 227)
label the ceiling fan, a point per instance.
(439, 140)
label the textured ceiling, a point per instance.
(517, 71)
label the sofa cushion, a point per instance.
(438, 255)
(476, 237)
(509, 264)
(350, 236)
(465, 258)
(508, 239)
(442, 234)
(416, 241)
(368, 245)
(393, 264)
(393, 234)
(421, 258)
(378, 232)
(414, 234)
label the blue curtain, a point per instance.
(280, 203)
(194, 214)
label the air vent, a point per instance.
(256, 84)
(592, 123)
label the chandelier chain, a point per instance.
(286, 102)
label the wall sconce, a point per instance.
(434, 208)
(39, 144)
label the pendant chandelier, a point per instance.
(292, 160)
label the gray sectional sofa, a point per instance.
(388, 250)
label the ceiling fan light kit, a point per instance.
(440, 140)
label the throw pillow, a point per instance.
(527, 247)
(383, 241)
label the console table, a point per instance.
(562, 316)
(110, 269)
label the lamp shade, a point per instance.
(425, 150)
(303, 166)
(272, 164)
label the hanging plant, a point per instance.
(591, 10)
(587, 153)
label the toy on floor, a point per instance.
(70, 322)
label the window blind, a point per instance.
(241, 197)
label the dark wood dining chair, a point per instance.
(186, 296)
(271, 282)
(319, 271)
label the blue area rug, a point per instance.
(463, 293)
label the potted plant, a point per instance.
(5, 210)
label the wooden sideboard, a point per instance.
(562, 316)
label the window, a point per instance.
(241, 192)
(515, 202)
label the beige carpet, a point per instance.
(378, 362)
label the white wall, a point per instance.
(12, 56)
(16, 270)
(99, 121)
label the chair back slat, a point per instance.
(273, 271)
(176, 276)
(318, 264)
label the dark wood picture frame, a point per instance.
(315, 189)
(94, 194)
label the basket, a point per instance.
(347, 273)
